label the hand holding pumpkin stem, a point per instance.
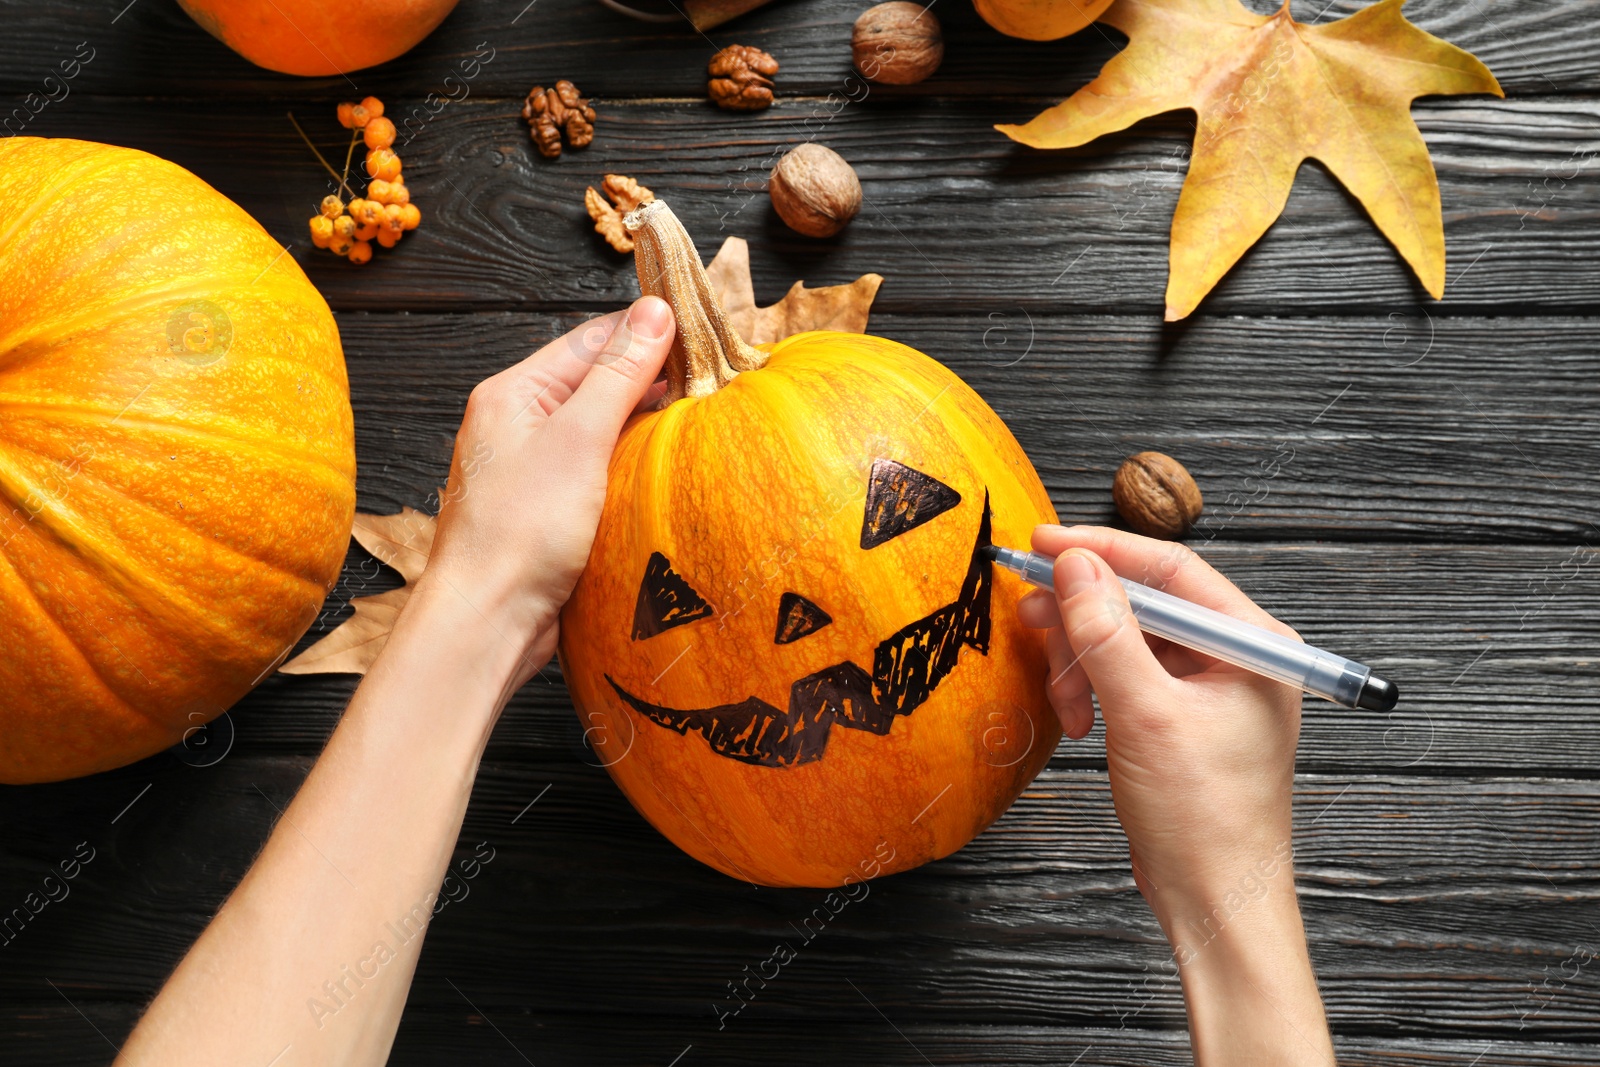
(541, 431)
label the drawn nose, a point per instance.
(798, 617)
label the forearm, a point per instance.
(311, 958)
(1247, 980)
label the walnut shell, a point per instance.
(1156, 495)
(814, 190)
(898, 43)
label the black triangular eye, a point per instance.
(798, 617)
(900, 499)
(665, 600)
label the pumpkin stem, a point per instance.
(707, 352)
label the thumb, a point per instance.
(1104, 636)
(624, 369)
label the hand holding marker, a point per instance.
(1311, 669)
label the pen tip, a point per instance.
(1378, 695)
(991, 552)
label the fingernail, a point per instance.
(1078, 573)
(650, 318)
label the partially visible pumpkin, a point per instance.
(176, 455)
(788, 646)
(315, 38)
(1040, 20)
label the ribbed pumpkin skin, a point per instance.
(758, 490)
(172, 510)
(315, 38)
(1040, 20)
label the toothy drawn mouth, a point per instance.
(907, 666)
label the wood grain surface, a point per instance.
(954, 215)
(1415, 483)
(150, 48)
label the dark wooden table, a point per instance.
(1412, 482)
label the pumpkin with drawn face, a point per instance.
(788, 647)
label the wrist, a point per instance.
(433, 695)
(458, 631)
(1209, 895)
(1246, 972)
(512, 617)
(1252, 997)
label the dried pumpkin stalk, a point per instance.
(708, 351)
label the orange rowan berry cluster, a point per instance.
(386, 212)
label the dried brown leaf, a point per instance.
(831, 307)
(352, 648)
(402, 541)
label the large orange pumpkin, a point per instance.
(176, 455)
(788, 647)
(315, 38)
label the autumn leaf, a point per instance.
(402, 541)
(832, 307)
(1268, 94)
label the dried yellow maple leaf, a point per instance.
(1269, 93)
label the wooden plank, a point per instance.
(955, 217)
(1386, 428)
(514, 1034)
(429, 1038)
(1442, 908)
(1493, 649)
(153, 49)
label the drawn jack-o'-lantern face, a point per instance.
(788, 647)
(906, 666)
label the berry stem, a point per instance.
(349, 153)
(319, 156)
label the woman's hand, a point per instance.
(1201, 753)
(1201, 760)
(529, 474)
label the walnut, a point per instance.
(553, 112)
(741, 78)
(814, 190)
(897, 43)
(1156, 495)
(626, 194)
